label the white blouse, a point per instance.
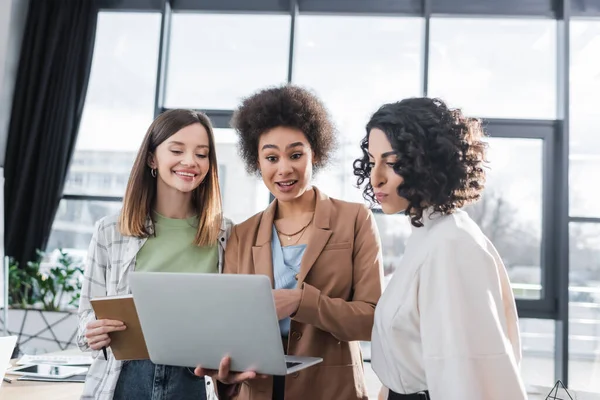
(447, 321)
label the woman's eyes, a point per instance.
(371, 164)
(178, 152)
(294, 156)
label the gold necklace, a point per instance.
(291, 235)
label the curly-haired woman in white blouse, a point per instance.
(446, 326)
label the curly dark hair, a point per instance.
(290, 106)
(441, 155)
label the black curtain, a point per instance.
(54, 69)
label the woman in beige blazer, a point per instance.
(323, 255)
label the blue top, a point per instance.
(286, 264)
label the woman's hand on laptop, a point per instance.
(97, 332)
(224, 375)
(287, 301)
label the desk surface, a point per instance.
(19, 390)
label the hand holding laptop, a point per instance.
(224, 375)
(97, 332)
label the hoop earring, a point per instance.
(153, 172)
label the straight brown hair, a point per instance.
(140, 194)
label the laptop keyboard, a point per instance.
(290, 364)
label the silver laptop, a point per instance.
(197, 319)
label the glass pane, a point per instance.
(502, 68)
(584, 307)
(537, 364)
(99, 172)
(510, 210)
(243, 195)
(75, 221)
(119, 105)
(216, 59)
(585, 118)
(378, 61)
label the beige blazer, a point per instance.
(341, 279)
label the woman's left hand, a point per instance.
(287, 301)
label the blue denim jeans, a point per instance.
(144, 380)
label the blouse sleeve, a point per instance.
(466, 350)
(94, 283)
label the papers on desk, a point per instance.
(74, 378)
(82, 359)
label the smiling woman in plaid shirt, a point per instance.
(171, 221)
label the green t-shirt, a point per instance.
(172, 249)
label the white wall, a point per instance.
(13, 14)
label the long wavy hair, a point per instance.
(140, 194)
(441, 155)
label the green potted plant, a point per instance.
(60, 283)
(21, 288)
(43, 299)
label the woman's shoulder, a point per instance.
(108, 229)
(457, 232)
(226, 224)
(109, 222)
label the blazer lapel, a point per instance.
(261, 251)
(320, 235)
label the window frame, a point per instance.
(546, 130)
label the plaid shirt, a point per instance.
(110, 259)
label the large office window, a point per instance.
(118, 110)
(538, 352)
(585, 118)
(378, 61)
(216, 59)
(584, 232)
(584, 306)
(502, 68)
(510, 210)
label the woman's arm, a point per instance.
(350, 320)
(94, 282)
(466, 350)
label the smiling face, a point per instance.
(384, 180)
(182, 160)
(285, 161)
